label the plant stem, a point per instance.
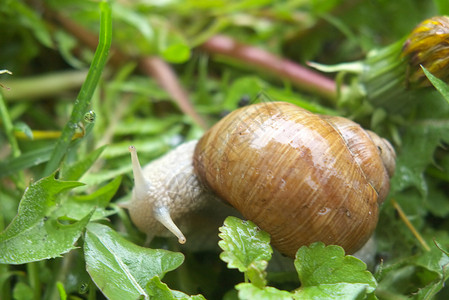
(302, 77)
(83, 100)
(9, 131)
(166, 78)
(35, 283)
(410, 225)
(5, 289)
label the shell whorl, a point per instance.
(292, 173)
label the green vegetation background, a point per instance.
(49, 45)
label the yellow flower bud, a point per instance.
(428, 45)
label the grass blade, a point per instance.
(439, 84)
(83, 100)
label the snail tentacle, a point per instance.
(142, 185)
(162, 214)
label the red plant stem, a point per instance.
(302, 77)
(163, 73)
(150, 65)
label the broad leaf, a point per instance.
(326, 273)
(35, 233)
(121, 269)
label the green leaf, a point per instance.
(134, 19)
(419, 143)
(326, 273)
(120, 268)
(243, 244)
(23, 291)
(443, 6)
(8, 127)
(24, 128)
(437, 263)
(249, 86)
(148, 126)
(176, 53)
(35, 234)
(161, 291)
(77, 169)
(419, 276)
(248, 291)
(33, 21)
(77, 206)
(25, 160)
(256, 273)
(439, 84)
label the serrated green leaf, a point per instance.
(243, 244)
(325, 271)
(35, 234)
(77, 169)
(439, 84)
(248, 291)
(256, 273)
(121, 269)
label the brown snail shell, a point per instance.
(299, 176)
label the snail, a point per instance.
(300, 176)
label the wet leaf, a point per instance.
(121, 269)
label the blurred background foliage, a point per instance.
(163, 85)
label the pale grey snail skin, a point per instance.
(165, 190)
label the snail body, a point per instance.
(299, 176)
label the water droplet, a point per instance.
(90, 116)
